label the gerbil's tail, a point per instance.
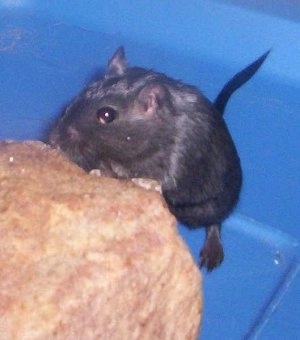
(236, 82)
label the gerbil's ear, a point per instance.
(151, 97)
(117, 65)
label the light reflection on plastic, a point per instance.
(13, 3)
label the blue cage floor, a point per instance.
(45, 62)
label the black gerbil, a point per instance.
(137, 123)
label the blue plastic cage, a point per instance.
(50, 49)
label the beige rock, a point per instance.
(85, 257)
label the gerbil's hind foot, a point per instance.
(211, 255)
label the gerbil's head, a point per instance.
(118, 121)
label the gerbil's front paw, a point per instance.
(212, 254)
(147, 183)
(96, 172)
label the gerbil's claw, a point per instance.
(212, 254)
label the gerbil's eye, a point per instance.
(106, 115)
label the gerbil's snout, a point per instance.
(69, 141)
(62, 134)
(73, 134)
(53, 138)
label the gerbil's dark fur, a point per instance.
(139, 123)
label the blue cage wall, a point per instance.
(50, 49)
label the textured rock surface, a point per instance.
(83, 257)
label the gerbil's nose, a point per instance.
(53, 138)
(72, 133)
